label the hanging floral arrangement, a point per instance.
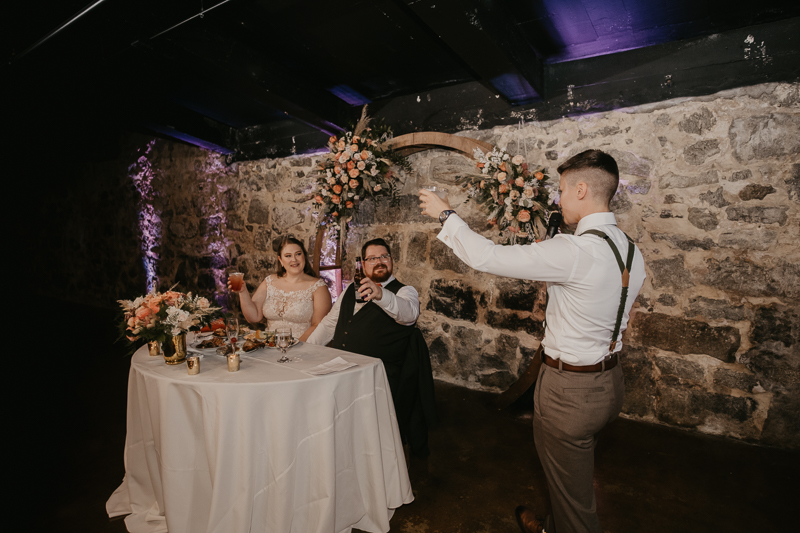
(517, 198)
(356, 168)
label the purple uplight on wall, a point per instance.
(142, 174)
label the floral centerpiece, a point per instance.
(516, 197)
(163, 316)
(357, 167)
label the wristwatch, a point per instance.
(444, 214)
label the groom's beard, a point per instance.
(380, 274)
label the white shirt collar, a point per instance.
(594, 220)
(388, 281)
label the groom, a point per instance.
(384, 327)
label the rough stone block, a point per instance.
(639, 187)
(670, 272)
(620, 203)
(725, 377)
(284, 217)
(467, 345)
(637, 367)
(513, 322)
(699, 152)
(672, 199)
(258, 213)
(632, 164)
(674, 181)
(682, 336)
(753, 191)
(444, 169)
(765, 136)
(551, 155)
(750, 239)
(774, 370)
(184, 230)
(680, 368)
(519, 295)
(777, 323)
(683, 242)
(717, 309)
(698, 123)
(702, 218)
(793, 183)
(691, 407)
(235, 222)
(262, 239)
(453, 299)
(667, 300)
(740, 175)
(417, 252)
(403, 209)
(714, 198)
(505, 351)
(662, 120)
(747, 278)
(782, 426)
(443, 258)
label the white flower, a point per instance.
(518, 160)
(374, 171)
(344, 158)
(507, 201)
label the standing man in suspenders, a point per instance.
(593, 277)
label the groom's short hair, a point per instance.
(375, 242)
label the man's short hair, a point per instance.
(375, 242)
(605, 183)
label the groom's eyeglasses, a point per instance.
(383, 259)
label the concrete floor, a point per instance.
(65, 448)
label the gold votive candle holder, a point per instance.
(154, 348)
(193, 364)
(233, 362)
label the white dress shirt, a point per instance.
(403, 307)
(583, 281)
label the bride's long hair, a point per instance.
(279, 244)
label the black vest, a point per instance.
(372, 332)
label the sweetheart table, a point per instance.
(269, 448)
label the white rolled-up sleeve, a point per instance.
(403, 307)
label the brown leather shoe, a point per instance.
(527, 521)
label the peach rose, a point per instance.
(353, 184)
(502, 176)
(538, 175)
(335, 199)
(335, 214)
(517, 159)
(354, 148)
(341, 144)
(524, 216)
(377, 188)
(503, 188)
(354, 172)
(337, 169)
(343, 158)
(332, 140)
(356, 138)
(514, 194)
(337, 189)
(364, 155)
(351, 165)
(348, 205)
(361, 165)
(503, 167)
(528, 192)
(318, 199)
(519, 182)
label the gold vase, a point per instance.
(175, 349)
(154, 347)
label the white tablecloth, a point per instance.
(268, 448)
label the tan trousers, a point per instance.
(569, 409)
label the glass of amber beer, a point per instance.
(235, 279)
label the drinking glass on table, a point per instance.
(232, 331)
(283, 336)
(441, 192)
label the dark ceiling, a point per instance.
(260, 78)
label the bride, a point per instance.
(293, 297)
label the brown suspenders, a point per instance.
(625, 269)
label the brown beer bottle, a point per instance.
(357, 277)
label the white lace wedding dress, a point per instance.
(292, 309)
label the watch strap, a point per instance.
(443, 216)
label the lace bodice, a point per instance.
(292, 309)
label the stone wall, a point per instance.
(710, 191)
